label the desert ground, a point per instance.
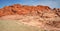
(13, 23)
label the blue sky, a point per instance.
(51, 3)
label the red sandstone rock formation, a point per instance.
(23, 9)
(50, 17)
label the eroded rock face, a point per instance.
(23, 9)
(50, 17)
(57, 11)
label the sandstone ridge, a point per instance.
(22, 9)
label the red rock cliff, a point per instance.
(23, 9)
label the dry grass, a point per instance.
(7, 25)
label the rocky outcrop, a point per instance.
(57, 11)
(50, 18)
(23, 9)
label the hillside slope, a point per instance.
(40, 16)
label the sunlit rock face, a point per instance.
(40, 16)
(23, 9)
